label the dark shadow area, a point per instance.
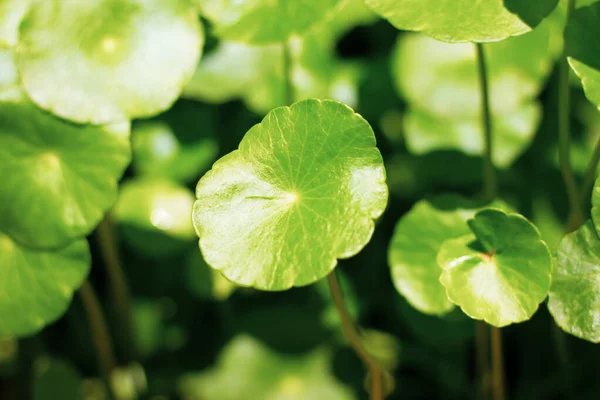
(532, 12)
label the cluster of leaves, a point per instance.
(89, 88)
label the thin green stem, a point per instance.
(354, 338)
(483, 359)
(575, 208)
(119, 290)
(287, 73)
(99, 332)
(497, 365)
(591, 174)
(490, 180)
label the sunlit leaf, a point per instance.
(501, 272)
(513, 133)
(574, 298)
(37, 286)
(155, 216)
(301, 191)
(246, 369)
(104, 60)
(11, 14)
(464, 20)
(59, 178)
(204, 282)
(56, 379)
(418, 237)
(159, 152)
(265, 21)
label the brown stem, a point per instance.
(351, 333)
(497, 364)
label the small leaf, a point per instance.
(159, 153)
(301, 191)
(260, 373)
(574, 299)
(37, 286)
(265, 21)
(499, 274)
(56, 379)
(464, 20)
(417, 239)
(101, 61)
(155, 216)
(60, 178)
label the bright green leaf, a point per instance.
(56, 379)
(265, 21)
(204, 282)
(155, 216)
(464, 20)
(59, 178)
(301, 191)
(513, 133)
(37, 286)
(596, 205)
(581, 38)
(501, 272)
(260, 373)
(108, 60)
(159, 152)
(417, 239)
(11, 14)
(574, 298)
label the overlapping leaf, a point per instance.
(464, 20)
(37, 286)
(501, 272)
(59, 178)
(301, 191)
(105, 60)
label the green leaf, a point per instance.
(155, 216)
(574, 299)
(11, 14)
(596, 205)
(260, 373)
(8, 71)
(56, 379)
(158, 152)
(417, 238)
(59, 178)
(301, 191)
(581, 43)
(513, 133)
(204, 282)
(37, 286)
(464, 20)
(500, 273)
(265, 21)
(108, 60)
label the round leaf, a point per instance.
(159, 152)
(265, 21)
(501, 273)
(417, 239)
(260, 373)
(574, 298)
(37, 286)
(581, 37)
(464, 20)
(301, 191)
(106, 60)
(155, 216)
(59, 178)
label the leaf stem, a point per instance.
(498, 364)
(591, 174)
(287, 73)
(490, 180)
(120, 297)
(575, 206)
(99, 332)
(351, 333)
(483, 358)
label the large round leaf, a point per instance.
(265, 21)
(501, 272)
(574, 298)
(417, 239)
(581, 38)
(261, 373)
(59, 178)
(37, 286)
(464, 20)
(301, 191)
(106, 60)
